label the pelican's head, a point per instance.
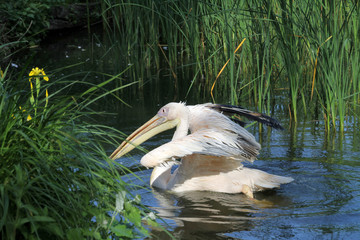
(169, 116)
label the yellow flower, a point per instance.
(22, 110)
(37, 72)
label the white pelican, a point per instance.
(211, 154)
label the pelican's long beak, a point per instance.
(152, 127)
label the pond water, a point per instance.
(322, 202)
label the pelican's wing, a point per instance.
(231, 110)
(212, 133)
(205, 142)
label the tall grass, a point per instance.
(308, 49)
(56, 180)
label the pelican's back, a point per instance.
(230, 134)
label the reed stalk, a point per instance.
(286, 48)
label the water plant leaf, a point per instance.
(222, 69)
(122, 231)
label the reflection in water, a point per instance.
(197, 213)
(209, 214)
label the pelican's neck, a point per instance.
(161, 176)
(182, 129)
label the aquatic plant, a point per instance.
(37, 74)
(56, 180)
(304, 49)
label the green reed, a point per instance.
(304, 48)
(337, 77)
(56, 180)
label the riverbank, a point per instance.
(25, 25)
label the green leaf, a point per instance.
(133, 214)
(122, 231)
(120, 200)
(55, 229)
(75, 233)
(93, 234)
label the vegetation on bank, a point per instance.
(56, 180)
(24, 23)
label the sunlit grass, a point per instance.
(56, 180)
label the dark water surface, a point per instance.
(323, 202)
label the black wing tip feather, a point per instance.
(259, 117)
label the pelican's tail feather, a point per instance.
(258, 180)
(231, 110)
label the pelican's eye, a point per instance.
(163, 112)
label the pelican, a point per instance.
(208, 146)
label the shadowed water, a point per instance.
(322, 202)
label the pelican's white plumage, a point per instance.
(211, 147)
